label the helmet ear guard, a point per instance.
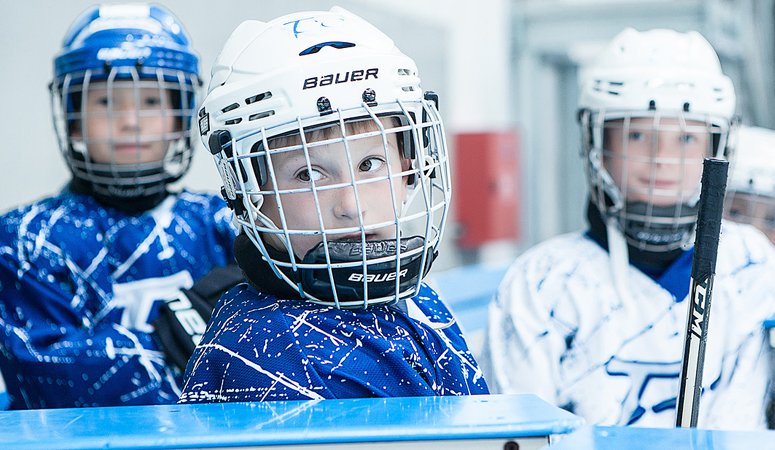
(220, 145)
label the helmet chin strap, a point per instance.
(127, 204)
(643, 230)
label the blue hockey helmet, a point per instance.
(139, 59)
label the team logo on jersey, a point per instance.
(137, 298)
(648, 380)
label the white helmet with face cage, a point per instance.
(647, 84)
(324, 71)
(751, 186)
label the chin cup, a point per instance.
(353, 282)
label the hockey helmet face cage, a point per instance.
(652, 107)
(332, 158)
(123, 99)
(751, 187)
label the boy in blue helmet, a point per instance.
(98, 301)
(336, 166)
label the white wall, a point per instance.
(459, 48)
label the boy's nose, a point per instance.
(669, 145)
(345, 203)
(127, 120)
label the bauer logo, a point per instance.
(339, 78)
(377, 248)
(376, 278)
(110, 54)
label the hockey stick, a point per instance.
(714, 183)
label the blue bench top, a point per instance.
(281, 423)
(631, 438)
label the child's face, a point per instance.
(126, 132)
(661, 167)
(757, 210)
(338, 206)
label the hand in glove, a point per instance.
(183, 319)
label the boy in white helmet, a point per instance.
(594, 321)
(751, 195)
(335, 164)
(751, 187)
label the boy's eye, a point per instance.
(735, 213)
(637, 135)
(102, 101)
(152, 101)
(307, 176)
(371, 165)
(689, 139)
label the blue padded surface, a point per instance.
(293, 422)
(626, 438)
(467, 291)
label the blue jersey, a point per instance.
(258, 347)
(79, 286)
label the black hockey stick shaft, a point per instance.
(714, 183)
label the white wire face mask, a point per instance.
(348, 209)
(128, 133)
(644, 172)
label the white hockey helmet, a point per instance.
(645, 86)
(751, 186)
(325, 71)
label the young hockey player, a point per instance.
(84, 274)
(594, 321)
(323, 139)
(751, 199)
(751, 187)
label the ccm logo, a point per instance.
(376, 278)
(699, 303)
(325, 80)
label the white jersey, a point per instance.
(558, 328)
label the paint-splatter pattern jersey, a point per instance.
(258, 347)
(559, 329)
(80, 285)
